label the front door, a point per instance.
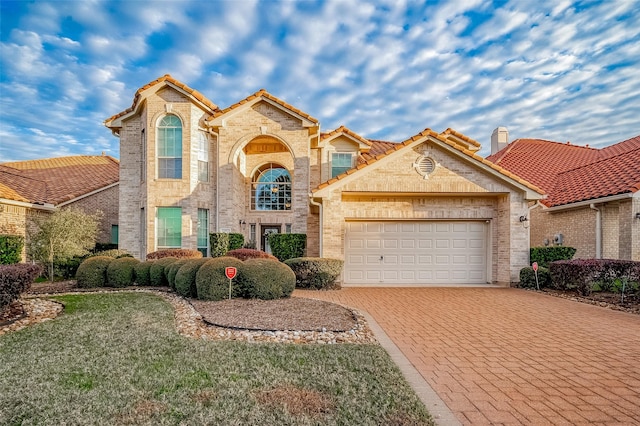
(265, 231)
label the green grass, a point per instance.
(117, 359)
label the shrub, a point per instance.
(114, 253)
(175, 253)
(14, 280)
(158, 273)
(316, 273)
(265, 279)
(141, 273)
(68, 268)
(546, 255)
(287, 246)
(11, 249)
(528, 277)
(185, 280)
(211, 281)
(582, 274)
(236, 241)
(93, 272)
(105, 247)
(120, 272)
(222, 242)
(172, 270)
(244, 254)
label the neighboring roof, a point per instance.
(452, 134)
(164, 79)
(342, 130)
(377, 148)
(56, 180)
(391, 148)
(262, 93)
(571, 173)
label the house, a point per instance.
(424, 211)
(593, 197)
(33, 188)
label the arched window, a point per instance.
(271, 188)
(169, 147)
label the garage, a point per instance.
(416, 252)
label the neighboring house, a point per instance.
(38, 187)
(425, 211)
(593, 197)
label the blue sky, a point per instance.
(548, 69)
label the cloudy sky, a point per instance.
(548, 69)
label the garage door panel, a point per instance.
(416, 252)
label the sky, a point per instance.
(549, 69)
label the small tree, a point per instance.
(62, 235)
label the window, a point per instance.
(271, 188)
(114, 234)
(170, 148)
(203, 158)
(287, 228)
(203, 232)
(143, 157)
(169, 227)
(252, 234)
(340, 163)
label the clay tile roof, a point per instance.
(262, 93)
(570, 173)
(165, 78)
(344, 130)
(459, 135)
(56, 180)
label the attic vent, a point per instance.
(425, 166)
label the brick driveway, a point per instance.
(509, 356)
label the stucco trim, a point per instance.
(587, 203)
(46, 207)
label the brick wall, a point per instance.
(105, 201)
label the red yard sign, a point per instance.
(535, 266)
(230, 272)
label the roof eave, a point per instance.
(586, 203)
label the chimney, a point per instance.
(499, 139)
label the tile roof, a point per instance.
(347, 131)
(388, 148)
(463, 137)
(56, 180)
(571, 173)
(165, 78)
(262, 93)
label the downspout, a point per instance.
(315, 203)
(598, 230)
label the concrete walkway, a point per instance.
(509, 356)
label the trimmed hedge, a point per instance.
(14, 280)
(114, 253)
(221, 242)
(244, 254)
(582, 274)
(185, 280)
(93, 272)
(265, 279)
(316, 273)
(546, 255)
(158, 271)
(68, 268)
(141, 273)
(120, 272)
(528, 277)
(11, 249)
(287, 246)
(175, 253)
(172, 270)
(211, 281)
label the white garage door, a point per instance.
(414, 252)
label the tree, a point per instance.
(62, 235)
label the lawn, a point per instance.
(117, 359)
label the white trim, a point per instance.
(46, 206)
(587, 203)
(88, 194)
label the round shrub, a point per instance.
(157, 272)
(172, 270)
(528, 277)
(316, 273)
(141, 273)
(114, 253)
(93, 272)
(120, 272)
(265, 279)
(186, 277)
(211, 281)
(244, 254)
(177, 253)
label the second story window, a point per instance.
(340, 163)
(203, 158)
(170, 148)
(271, 188)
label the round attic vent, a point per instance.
(425, 165)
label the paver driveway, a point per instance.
(510, 356)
